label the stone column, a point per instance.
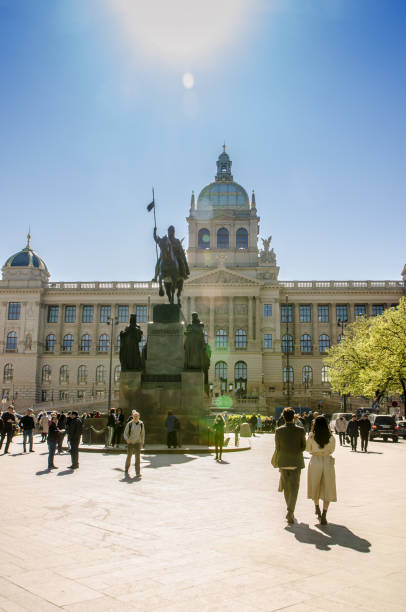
(250, 326)
(257, 318)
(231, 322)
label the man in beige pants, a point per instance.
(134, 435)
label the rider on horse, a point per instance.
(178, 252)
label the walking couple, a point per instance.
(290, 442)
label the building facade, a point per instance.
(59, 341)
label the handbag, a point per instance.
(275, 458)
(347, 439)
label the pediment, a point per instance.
(222, 277)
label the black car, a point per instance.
(402, 428)
(383, 426)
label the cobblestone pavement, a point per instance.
(196, 535)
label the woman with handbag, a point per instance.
(321, 478)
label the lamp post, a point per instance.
(341, 323)
(287, 353)
(111, 321)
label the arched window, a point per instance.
(325, 374)
(220, 371)
(50, 343)
(8, 372)
(240, 376)
(11, 344)
(307, 375)
(222, 238)
(241, 241)
(82, 374)
(85, 343)
(241, 339)
(117, 374)
(288, 374)
(203, 239)
(103, 343)
(46, 373)
(305, 343)
(67, 343)
(287, 343)
(324, 343)
(221, 338)
(63, 374)
(100, 374)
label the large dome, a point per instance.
(224, 192)
(26, 258)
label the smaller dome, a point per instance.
(26, 258)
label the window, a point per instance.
(360, 310)
(105, 313)
(203, 239)
(268, 341)
(307, 375)
(287, 343)
(11, 343)
(241, 339)
(50, 343)
(288, 374)
(240, 376)
(46, 373)
(44, 395)
(100, 394)
(220, 371)
(305, 313)
(323, 313)
(377, 309)
(305, 343)
(63, 396)
(103, 343)
(53, 313)
(82, 374)
(67, 343)
(117, 374)
(118, 343)
(85, 343)
(14, 310)
(63, 374)
(87, 314)
(267, 310)
(287, 313)
(325, 374)
(221, 338)
(8, 373)
(122, 314)
(341, 312)
(141, 314)
(100, 374)
(324, 343)
(222, 238)
(70, 314)
(242, 239)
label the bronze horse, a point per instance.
(169, 272)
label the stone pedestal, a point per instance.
(130, 387)
(165, 352)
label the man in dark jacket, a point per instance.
(62, 430)
(290, 442)
(352, 431)
(27, 424)
(172, 427)
(364, 426)
(75, 431)
(9, 424)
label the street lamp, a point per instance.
(111, 321)
(287, 354)
(342, 323)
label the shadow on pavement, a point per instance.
(65, 472)
(41, 472)
(158, 461)
(328, 536)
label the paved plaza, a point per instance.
(196, 535)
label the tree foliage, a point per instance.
(371, 357)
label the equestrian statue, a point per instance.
(171, 268)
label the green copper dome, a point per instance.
(224, 192)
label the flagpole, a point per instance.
(153, 200)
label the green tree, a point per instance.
(371, 358)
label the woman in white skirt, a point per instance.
(321, 477)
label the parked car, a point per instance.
(335, 416)
(402, 428)
(383, 426)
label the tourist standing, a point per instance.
(290, 442)
(62, 431)
(364, 427)
(321, 478)
(352, 431)
(171, 426)
(253, 423)
(9, 425)
(52, 440)
(134, 435)
(111, 420)
(218, 426)
(27, 424)
(43, 426)
(118, 428)
(259, 423)
(74, 433)
(341, 429)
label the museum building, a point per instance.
(267, 337)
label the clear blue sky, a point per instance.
(309, 95)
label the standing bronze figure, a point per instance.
(130, 358)
(172, 267)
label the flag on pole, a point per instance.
(151, 206)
